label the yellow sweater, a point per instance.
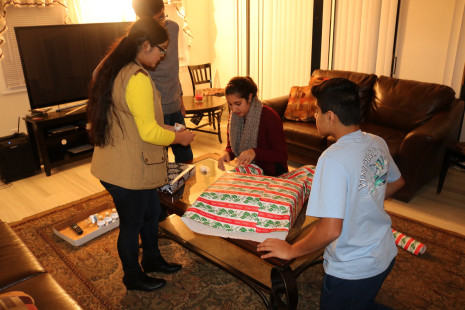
(129, 161)
(139, 97)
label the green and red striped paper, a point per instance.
(411, 245)
(250, 206)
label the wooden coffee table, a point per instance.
(273, 279)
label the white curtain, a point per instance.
(454, 68)
(362, 35)
(280, 44)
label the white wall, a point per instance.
(431, 43)
(423, 39)
(224, 63)
(12, 106)
(212, 23)
(198, 16)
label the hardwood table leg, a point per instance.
(218, 119)
(284, 293)
(212, 119)
(445, 166)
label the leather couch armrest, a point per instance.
(422, 151)
(441, 128)
(278, 104)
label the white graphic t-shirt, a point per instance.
(350, 183)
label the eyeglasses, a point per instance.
(163, 17)
(162, 50)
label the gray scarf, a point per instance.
(243, 132)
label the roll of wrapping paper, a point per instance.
(407, 243)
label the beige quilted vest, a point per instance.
(130, 162)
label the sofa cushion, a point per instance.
(301, 105)
(16, 300)
(363, 80)
(304, 134)
(47, 293)
(406, 104)
(20, 264)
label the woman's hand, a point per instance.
(168, 127)
(184, 137)
(224, 158)
(246, 157)
(275, 248)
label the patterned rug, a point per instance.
(92, 273)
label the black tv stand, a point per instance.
(59, 138)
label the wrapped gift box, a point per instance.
(178, 174)
(250, 206)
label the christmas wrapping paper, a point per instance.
(249, 169)
(250, 206)
(407, 243)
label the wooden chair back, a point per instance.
(200, 74)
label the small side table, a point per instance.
(211, 106)
(455, 154)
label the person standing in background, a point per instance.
(166, 74)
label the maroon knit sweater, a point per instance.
(271, 152)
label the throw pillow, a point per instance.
(16, 300)
(301, 105)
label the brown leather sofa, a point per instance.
(21, 271)
(417, 120)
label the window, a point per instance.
(17, 17)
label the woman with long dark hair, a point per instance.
(130, 139)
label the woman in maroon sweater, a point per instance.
(255, 131)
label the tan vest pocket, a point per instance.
(153, 158)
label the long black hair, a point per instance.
(123, 52)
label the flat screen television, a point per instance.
(58, 60)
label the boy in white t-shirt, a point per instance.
(352, 179)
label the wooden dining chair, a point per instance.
(200, 74)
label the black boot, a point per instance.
(142, 282)
(158, 264)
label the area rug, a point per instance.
(92, 273)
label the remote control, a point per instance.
(76, 228)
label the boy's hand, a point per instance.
(276, 248)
